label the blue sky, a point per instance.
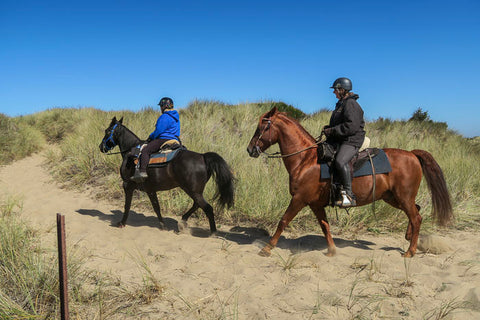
(117, 55)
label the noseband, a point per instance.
(109, 139)
(269, 124)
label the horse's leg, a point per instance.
(394, 203)
(414, 222)
(293, 208)
(319, 212)
(128, 189)
(183, 224)
(187, 215)
(207, 208)
(156, 207)
(409, 232)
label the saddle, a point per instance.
(368, 161)
(360, 164)
(167, 152)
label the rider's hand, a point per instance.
(327, 131)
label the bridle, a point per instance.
(109, 140)
(279, 154)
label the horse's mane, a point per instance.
(126, 128)
(295, 122)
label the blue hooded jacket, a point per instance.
(167, 126)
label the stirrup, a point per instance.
(346, 200)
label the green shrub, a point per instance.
(283, 107)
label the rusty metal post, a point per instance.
(62, 267)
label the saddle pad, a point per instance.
(161, 158)
(380, 162)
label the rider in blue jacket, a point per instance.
(166, 128)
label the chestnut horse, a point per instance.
(397, 188)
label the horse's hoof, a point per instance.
(182, 226)
(407, 254)
(121, 225)
(265, 252)
(331, 253)
(213, 234)
(162, 226)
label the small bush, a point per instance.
(282, 106)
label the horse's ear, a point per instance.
(121, 120)
(114, 119)
(271, 112)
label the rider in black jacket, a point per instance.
(346, 131)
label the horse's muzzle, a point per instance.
(253, 151)
(102, 148)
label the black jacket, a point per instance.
(347, 123)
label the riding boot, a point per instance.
(347, 198)
(140, 170)
(139, 176)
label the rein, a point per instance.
(279, 154)
(112, 153)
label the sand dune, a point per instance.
(223, 277)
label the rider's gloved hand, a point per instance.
(327, 131)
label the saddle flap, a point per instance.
(362, 157)
(364, 167)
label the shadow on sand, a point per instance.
(239, 235)
(134, 219)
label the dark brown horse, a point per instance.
(189, 171)
(307, 188)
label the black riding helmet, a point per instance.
(166, 103)
(344, 83)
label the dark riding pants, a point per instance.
(345, 153)
(152, 147)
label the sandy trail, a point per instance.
(223, 277)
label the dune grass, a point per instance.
(18, 139)
(29, 279)
(29, 282)
(30, 289)
(261, 184)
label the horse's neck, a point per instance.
(291, 140)
(127, 140)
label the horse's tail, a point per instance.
(217, 167)
(442, 207)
